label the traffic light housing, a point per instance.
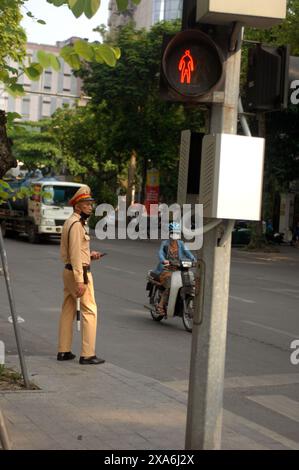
(192, 67)
(267, 86)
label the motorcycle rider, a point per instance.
(171, 252)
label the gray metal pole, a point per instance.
(13, 311)
(4, 436)
(243, 120)
(205, 400)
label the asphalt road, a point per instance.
(263, 321)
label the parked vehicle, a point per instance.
(43, 213)
(241, 233)
(181, 296)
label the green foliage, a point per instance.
(79, 7)
(73, 142)
(7, 192)
(282, 150)
(123, 4)
(88, 7)
(35, 145)
(39, 146)
(12, 35)
(13, 41)
(284, 33)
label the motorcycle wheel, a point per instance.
(155, 315)
(188, 314)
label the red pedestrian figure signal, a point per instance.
(186, 67)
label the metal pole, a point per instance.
(13, 311)
(243, 120)
(205, 400)
(4, 436)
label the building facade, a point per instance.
(147, 13)
(166, 10)
(52, 91)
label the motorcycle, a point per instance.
(181, 294)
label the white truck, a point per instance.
(42, 214)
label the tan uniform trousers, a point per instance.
(68, 314)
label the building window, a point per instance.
(46, 109)
(47, 80)
(67, 82)
(26, 108)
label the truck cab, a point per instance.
(43, 213)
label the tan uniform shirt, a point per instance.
(78, 252)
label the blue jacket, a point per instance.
(184, 253)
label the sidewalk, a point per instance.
(283, 253)
(108, 408)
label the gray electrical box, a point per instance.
(231, 180)
(255, 13)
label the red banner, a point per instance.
(152, 189)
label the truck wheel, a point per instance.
(3, 229)
(32, 234)
(5, 232)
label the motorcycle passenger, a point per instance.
(171, 252)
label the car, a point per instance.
(241, 233)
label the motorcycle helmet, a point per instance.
(174, 227)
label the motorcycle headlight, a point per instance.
(187, 264)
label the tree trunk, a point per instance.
(7, 159)
(144, 176)
(131, 179)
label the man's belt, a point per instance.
(70, 267)
(86, 269)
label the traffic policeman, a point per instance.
(78, 281)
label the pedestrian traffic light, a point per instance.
(191, 68)
(268, 78)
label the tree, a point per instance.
(284, 33)
(13, 40)
(142, 124)
(280, 128)
(72, 142)
(36, 145)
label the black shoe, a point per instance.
(65, 356)
(91, 360)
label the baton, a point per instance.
(78, 314)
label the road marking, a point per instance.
(178, 385)
(231, 419)
(255, 381)
(275, 380)
(248, 262)
(282, 332)
(289, 292)
(279, 404)
(240, 299)
(120, 270)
